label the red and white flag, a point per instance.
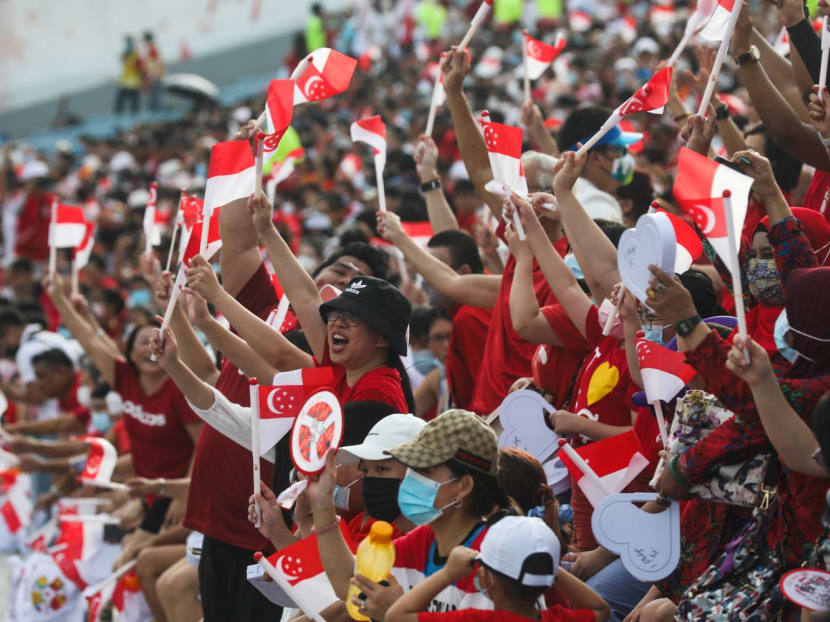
(689, 246)
(68, 226)
(301, 575)
(192, 239)
(322, 74)
(372, 131)
(504, 148)
(279, 109)
(129, 601)
(97, 602)
(616, 460)
(664, 371)
(715, 28)
(439, 95)
(699, 187)
(420, 232)
(100, 461)
(782, 42)
(231, 173)
(541, 55)
(191, 211)
(16, 504)
(280, 403)
(84, 250)
(651, 97)
(83, 540)
(155, 221)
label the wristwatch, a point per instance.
(685, 327)
(751, 55)
(432, 184)
(722, 112)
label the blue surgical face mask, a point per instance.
(416, 498)
(139, 297)
(477, 584)
(782, 327)
(101, 421)
(342, 494)
(653, 332)
(573, 266)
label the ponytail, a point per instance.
(394, 361)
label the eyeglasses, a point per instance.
(344, 317)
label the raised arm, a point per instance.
(539, 135)
(295, 281)
(478, 290)
(594, 251)
(275, 349)
(94, 348)
(441, 216)
(455, 67)
(561, 280)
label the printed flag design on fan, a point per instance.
(279, 110)
(371, 131)
(616, 460)
(84, 250)
(280, 403)
(322, 74)
(715, 28)
(699, 187)
(302, 575)
(68, 226)
(689, 246)
(504, 148)
(540, 55)
(100, 461)
(664, 371)
(651, 97)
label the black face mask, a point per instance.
(380, 497)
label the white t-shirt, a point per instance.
(598, 203)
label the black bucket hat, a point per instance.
(379, 304)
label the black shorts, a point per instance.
(154, 518)
(223, 583)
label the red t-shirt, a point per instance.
(382, 384)
(467, 340)
(161, 446)
(32, 239)
(119, 430)
(557, 613)
(818, 195)
(359, 530)
(554, 368)
(506, 355)
(221, 484)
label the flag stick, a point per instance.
(282, 310)
(517, 224)
(609, 124)
(606, 330)
(259, 121)
(379, 180)
(148, 234)
(582, 465)
(692, 27)
(76, 289)
(205, 229)
(721, 56)
(478, 19)
(258, 142)
(172, 246)
(94, 589)
(254, 387)
(171, 305)
(661, 423)
(524, 60)
(433, 107)
(53, 251)
(735, 267)
(825, 50)
(294, 594)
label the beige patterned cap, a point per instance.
(455, 434)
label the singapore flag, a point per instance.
(322, 74)
(699, 187)
(279, 404)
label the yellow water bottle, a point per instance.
(375, 558)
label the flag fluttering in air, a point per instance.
(689, 246)
(322, 74)
(279, 110)
(664, 371)
(231, 174)
(68, 226)
(540, 55)
(372, 131)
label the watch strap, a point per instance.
(432, 184)
(684, 328)
(722, 112)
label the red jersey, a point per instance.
(161, 446)
(70, 405)
(32, 239)
(506, 355)
(555, 368)
(382, 384)
(467, 340)
(361, 524)
(557, 613)
(219, 487)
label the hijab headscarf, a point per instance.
(808, 307)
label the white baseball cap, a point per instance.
(389, 432)
(522, 548)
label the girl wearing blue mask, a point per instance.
(449, 489)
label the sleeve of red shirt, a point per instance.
(593, 331)
(120, 432)
(81, 414)
(561, 324)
